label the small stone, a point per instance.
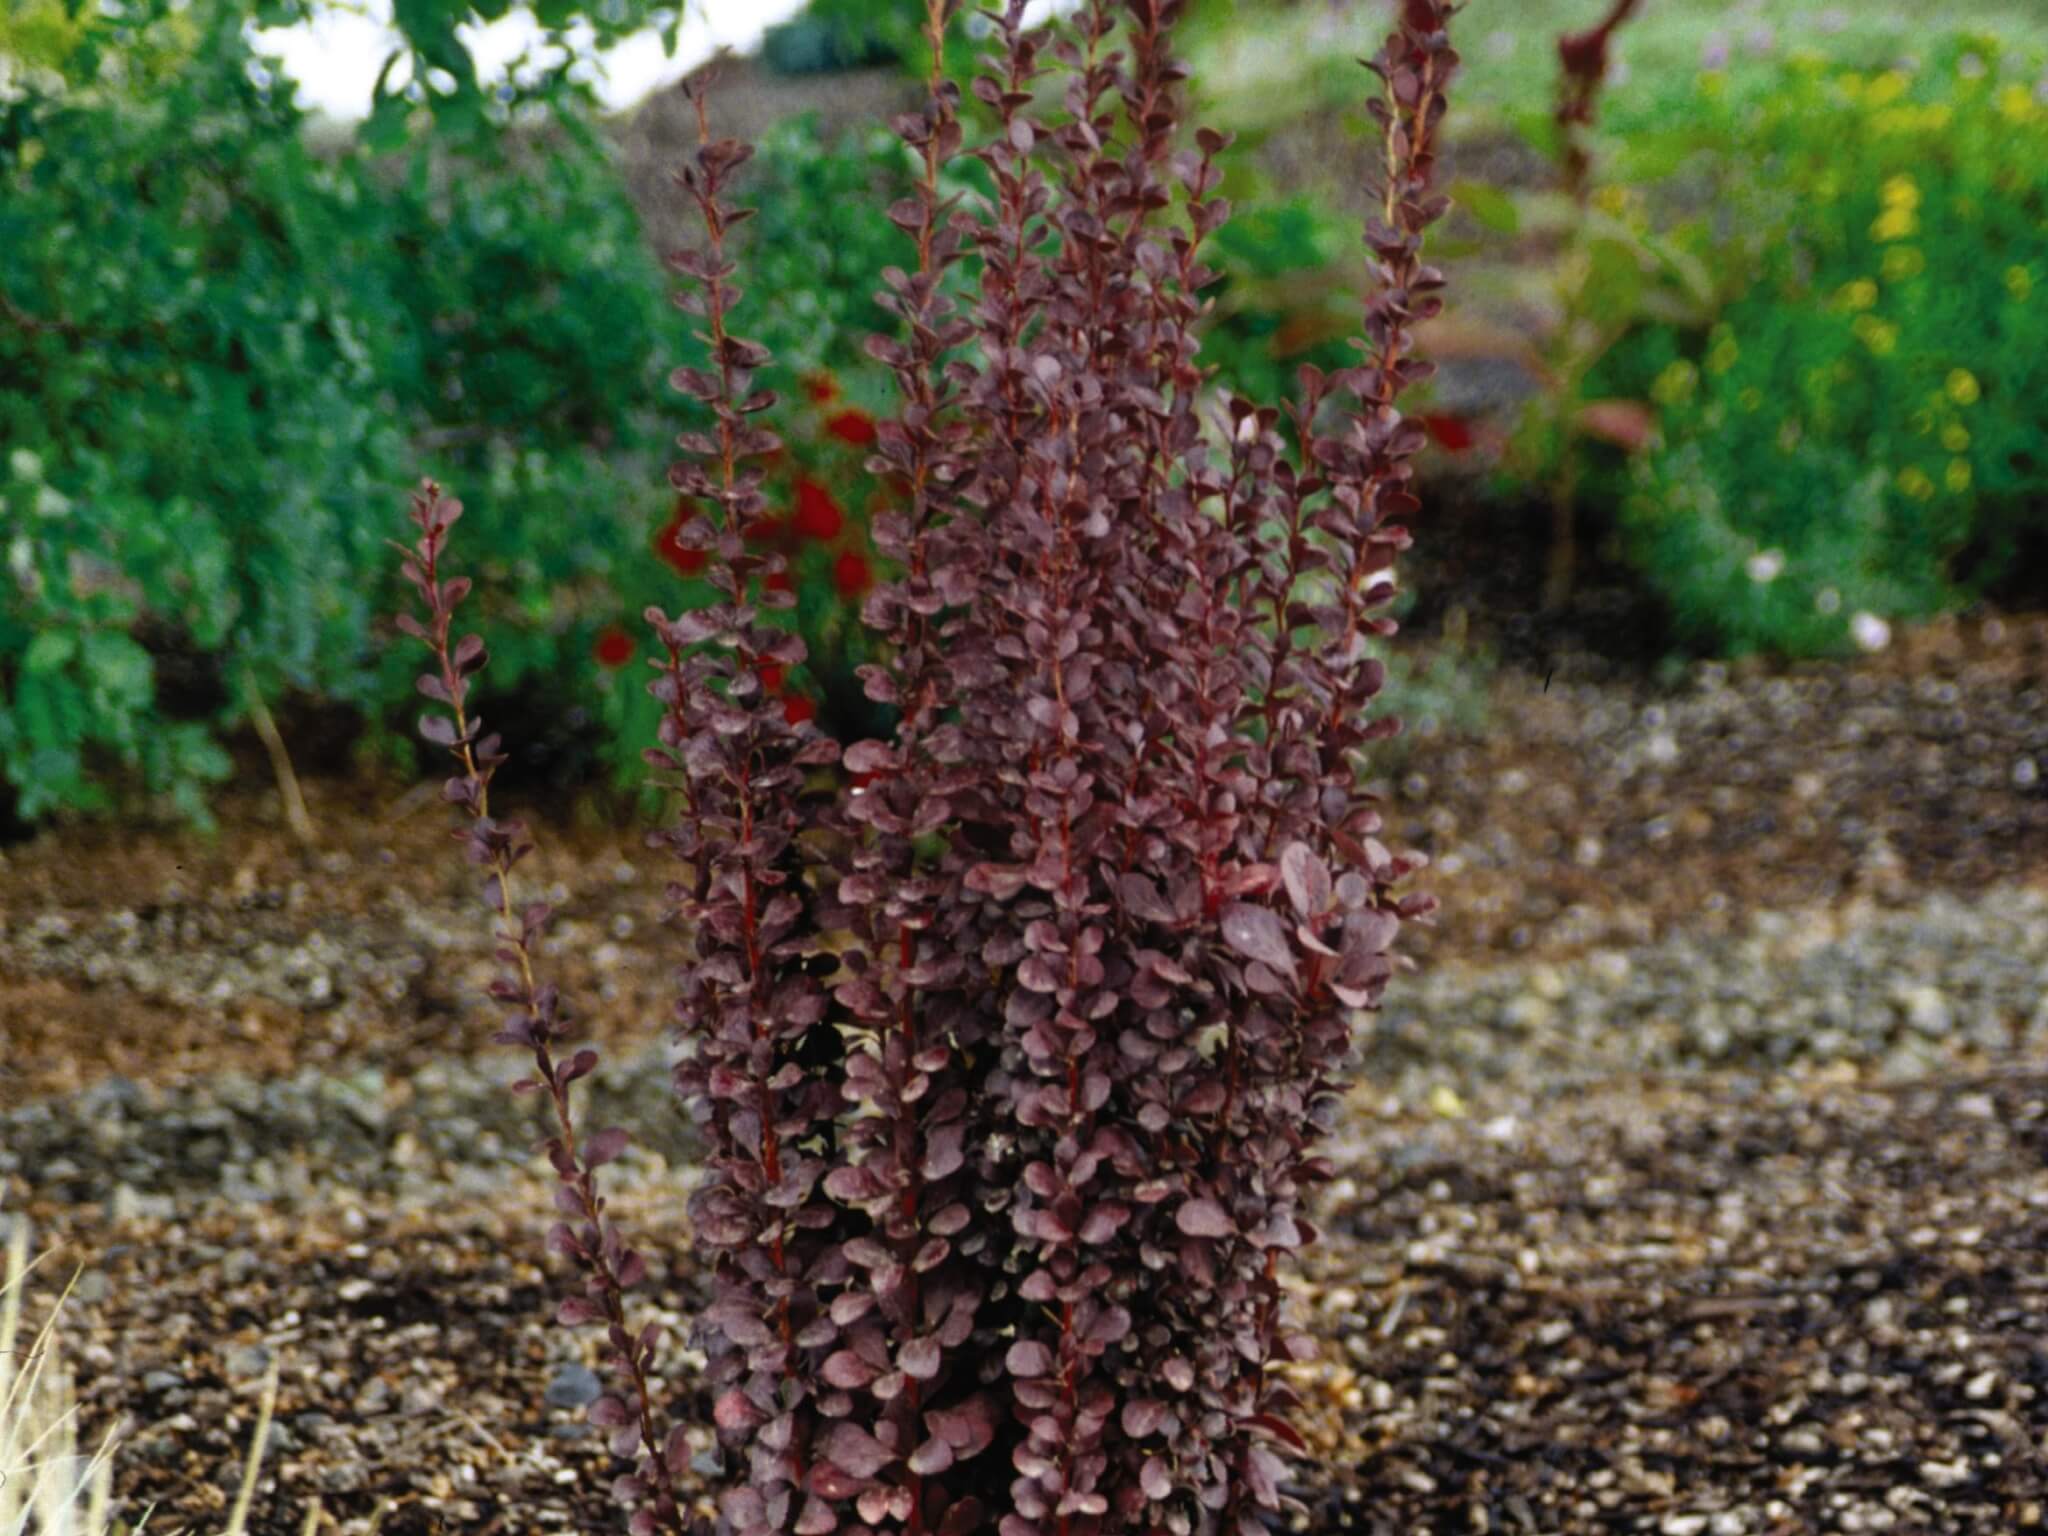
(162, 1381)
(375, 1396)
(573, 1386)
(92, 1287)
(1981, 1386)
(1928, 1012)
(1683, 1525)
(245, 1362)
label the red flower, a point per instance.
(777, 581)
(614, 647)
(817, 514)
(771, 677)
(855, 427)
(850, 574)
(673, 553)
(766, 532)
(820, 388)
(1453, 434)
(797, 709)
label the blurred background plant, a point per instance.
(1860, 431)
(1757, 339)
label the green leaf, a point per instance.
(120, 666)
(1489, 204)
(49, 652)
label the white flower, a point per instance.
(1764, 567)
(1828, 600)
(1871, 632)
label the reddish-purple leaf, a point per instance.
(1028, 1358)
(1203, 1218)
(1258, 934)
(856, 1452)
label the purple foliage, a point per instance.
(1011, 1068)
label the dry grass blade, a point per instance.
(42, 1473)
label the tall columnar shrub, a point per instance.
(1011, 1067)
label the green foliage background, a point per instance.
(1860, 431)
(225, 354)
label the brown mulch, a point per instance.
(1718, 1307)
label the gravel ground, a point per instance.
(1696, 1183)
(1728, 1305)
(1943, 986)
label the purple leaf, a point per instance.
(1203, 1218)
(856, 1452)
(608, 1412)
(1142, 1415)
(1028, 1358)
(1258, 934)
(1307, 879)
(934, 1456)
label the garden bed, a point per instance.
(1697, 1184)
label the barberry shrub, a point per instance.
(1011, 1067)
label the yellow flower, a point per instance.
(1676, 384)
(1914, 482)
(1962, 387)
(1902, 262)
(1751, 399)
(1881, 336)
(1611, 200)
(1901, 192)
(1887, 88)
(1911, 119)
(2016, 103)
(2019, 282)
(1894, 224)
(1922, 421)
(1955, 437)
(1722, 353)
(1958, 476)
(1860, 294)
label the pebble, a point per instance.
(573, 1386)
(245, 1362)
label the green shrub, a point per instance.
(1861, 432)
(223, 353)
